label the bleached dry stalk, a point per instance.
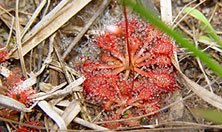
(166, 11)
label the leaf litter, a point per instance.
(54, 85)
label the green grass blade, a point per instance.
(210, 115)
(178, 37)
(209, 29)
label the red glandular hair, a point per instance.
(30, 129)
(3, 55)
(17, 92)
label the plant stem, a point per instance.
(126, 36)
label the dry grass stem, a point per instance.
(49, 24)
(200, 64)
(32, 19)
(166, 11)
(18, 41)
(86, 27)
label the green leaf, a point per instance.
(177, 36)
(209, 29)
(210, 115)
(205, 38)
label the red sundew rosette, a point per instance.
(16, 89)
(111, 80)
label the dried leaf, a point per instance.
(12, 103)
(206, 95)
(47, 108)
(73, 86)
(29, 82)
(34, 16)
(84, 122)
(50, 23)
(203, 93)
(70, 112)
(90, 125)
